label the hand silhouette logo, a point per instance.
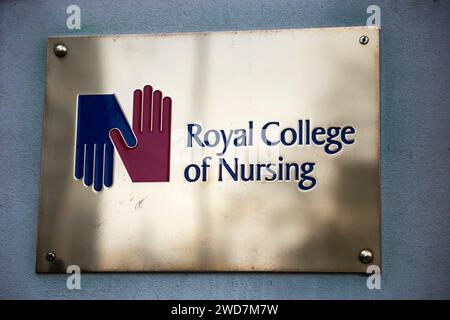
(149, 161)
(145, 150)
(97, 115)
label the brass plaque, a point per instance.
(222, 151)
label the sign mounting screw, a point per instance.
(60, 50)
(366, 256)
(364, 40)
(50, 257)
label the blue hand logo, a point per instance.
(97, 116)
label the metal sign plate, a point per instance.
(224, 151)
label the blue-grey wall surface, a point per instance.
(415, 123)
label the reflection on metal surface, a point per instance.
(219, 81)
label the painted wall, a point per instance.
(415, 125)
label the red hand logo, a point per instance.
(149, 160)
